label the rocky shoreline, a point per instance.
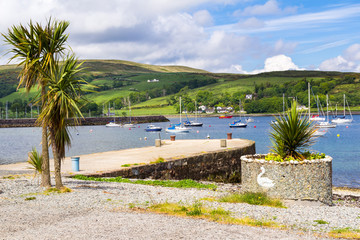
(103, 210)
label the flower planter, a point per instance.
(305, 180)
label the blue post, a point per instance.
(75, 163)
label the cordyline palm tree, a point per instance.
(38, 49)
(292, 134)
(61, 110)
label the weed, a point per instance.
(217, 215)
(159, 160)
(252, 198)
(346, 233)
(131, 205)
(30, 198)
(186, 183)
(126, 165)
(55, 190)
(196, 210)
(321, 222)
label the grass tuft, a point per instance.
(321, 222)
(345, 233)
(30, 198)
(217, 215)
(187, 183)
(55, 190)
(253, 199)
(159, 160)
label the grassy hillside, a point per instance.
(115, 79)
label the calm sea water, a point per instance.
(342, 142)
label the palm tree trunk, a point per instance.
(45, 168)
(57, 161)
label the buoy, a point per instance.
(254, 126)
(197, 131)
(209, 125)
(129, 128)
(138, 126)
(347, 126)
(91, 130)
(338, 135)
(145, 138)
(208, 136)
(140, 139)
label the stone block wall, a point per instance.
(221, 166)
(307, 180)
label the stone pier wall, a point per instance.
(307, 180)
(30, 122)
(221, 166)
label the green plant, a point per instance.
(252, 198)
(345, 233)
(126, 165)
(186, 183)
(159, 160)
(30, 198)
(217, 215)
(35, 160)
(195, 210)
(292, 134)
(321, 222)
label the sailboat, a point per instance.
(112, 124)
(326, 124)
(238, 123)
(178, 128)
(317, 117)
(343, 120)
(193, 123)
(129, 125)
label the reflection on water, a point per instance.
(341, 142)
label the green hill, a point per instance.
(115, 80)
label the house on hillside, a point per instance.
(153, 80)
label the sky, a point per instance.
(233, 36)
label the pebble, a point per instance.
(94, 210)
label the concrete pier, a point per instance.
(106, 163)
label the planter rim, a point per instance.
(259, 158)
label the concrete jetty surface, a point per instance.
(113, 160)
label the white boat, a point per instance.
(129, 125)
(239, 123)
(326, 124)
(319, 133)
(343, 119)
(178, 128)
(318, 117)
(249, 119)
(193, 123)
(112, 124)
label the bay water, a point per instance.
(341, 143)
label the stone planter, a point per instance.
(306, 180)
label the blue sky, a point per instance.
(240, 36)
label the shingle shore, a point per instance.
(100, 210)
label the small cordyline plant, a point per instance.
(291, 136)
(35, 160)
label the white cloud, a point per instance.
(203, 18)
(349, 61)
(271, 7)
(251, 23)
(275, 63)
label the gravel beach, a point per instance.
(100, 210)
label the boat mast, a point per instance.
(344, 105)
(180, 109)
(327, 108)
(309, 98)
